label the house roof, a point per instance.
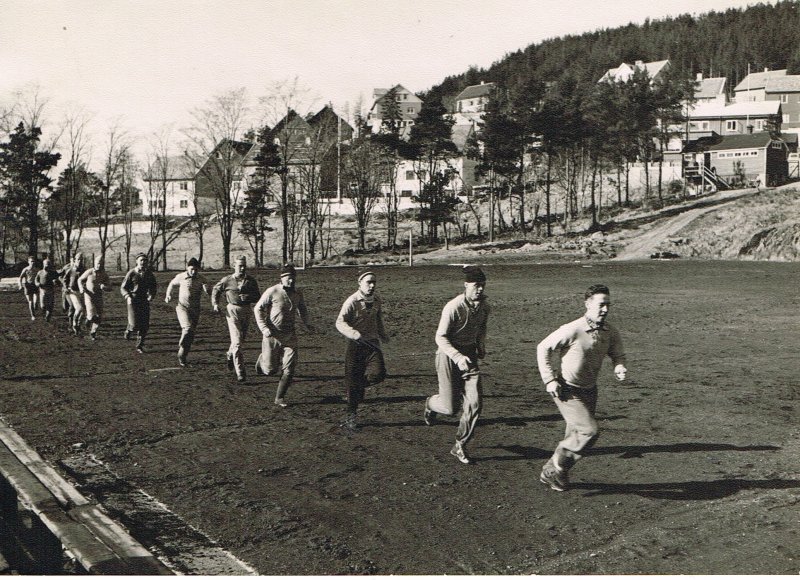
(755, 81)
(787, 84)
(178, 167)
(710, 88)
(744, 141)
(625, 71)
(746, 109)
(476, 91)
(326, 114)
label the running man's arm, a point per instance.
(449, 315)
(303, 310)
(548, 354)
(262, 311)
(82, 282)
(343, 321)
(172, 283)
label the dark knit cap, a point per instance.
(288, 270)
(474, 274)
(193, 262)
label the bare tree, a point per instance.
(115, 154)
(364, 169)
(279, 108)
(128, 195)
(160, 169)
(217, 154)
(73, 195)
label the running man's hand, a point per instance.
(168, 298)
(559, 388)
(620, 372)
(465, 364)
(215, 308)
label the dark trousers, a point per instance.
(363, 366)
(139, 318)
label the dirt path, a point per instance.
(642, 245)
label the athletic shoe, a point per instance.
(33, 318)
(230, 362)
(182, 360)
(460, 453)
(430, 416)
(557, 479)
(281, 403)
(241, 378)
(93, 335)
(140, 349)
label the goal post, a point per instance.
(338, 246)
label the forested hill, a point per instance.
(715, 43)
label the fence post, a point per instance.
(410, 247)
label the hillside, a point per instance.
(716, 44)
(730, 225)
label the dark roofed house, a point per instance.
(751, 157)
(474, 98)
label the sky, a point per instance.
(148, 63)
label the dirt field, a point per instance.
(697, 470)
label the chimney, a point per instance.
(766, 69)
(639, 63)
(699, 77)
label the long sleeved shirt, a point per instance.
(575, 352)
(69, 276)
(238, 291)
(189, 289)
(462, 328)
(139, 285)
(277, 310)
(46, 278)
(91, 280)
(28, 275)
(362, 319)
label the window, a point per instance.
(410, 110)
(784, 98)
(760, 123)
(409, 175)
(731, 125)
(786, 118)
(776, 145)
(184, 203)
(184, 186)
(405, 193)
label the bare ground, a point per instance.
(696, 471)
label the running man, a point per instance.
(276, 312)
(46, 280)
(461, 338)
(72, 292)
(27, 283)
(190, 284)
(361, 322)
(92, 283)
(138, 288)
(569, 361)
(241, 292)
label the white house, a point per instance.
(752, 87)
(624, 72)
(408, 103)
(169, 182)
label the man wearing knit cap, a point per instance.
(569, 361)
(241, 292)
(361, 322)
(138, 288)
(276, 312)
(461, 338)
(190, 285)
(92, 283)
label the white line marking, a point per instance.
(164, 369)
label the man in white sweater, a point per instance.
(461, 338)
(569, 361)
